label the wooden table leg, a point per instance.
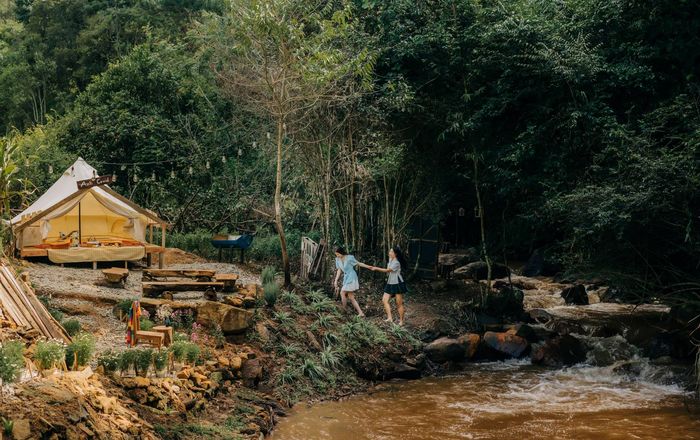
(94, 265)
(161, 262)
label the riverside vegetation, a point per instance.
(563, 133)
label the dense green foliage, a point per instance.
(579, 116)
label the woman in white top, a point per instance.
(345, 265)
(395, 285)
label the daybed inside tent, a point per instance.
(71, 225)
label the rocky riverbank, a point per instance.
(305, 348)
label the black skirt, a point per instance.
(394, 289)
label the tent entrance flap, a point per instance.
(93, 217)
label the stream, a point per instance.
(512, 399)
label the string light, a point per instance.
(123, 167)
(191, 171)
(172, 174)
(153, 175)
(240, 151)
(207, 165)
(255, 145)
(268, 135)
(50, 169)
(114, 177)
(223, 159)
(136, 178)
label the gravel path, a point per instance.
(83, 294)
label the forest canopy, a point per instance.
(576, 121)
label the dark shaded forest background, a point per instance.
(578, 122)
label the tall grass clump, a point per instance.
(268, 275)
(72, 326)
(49, 354)
(271, 293)
(80, 350)
(11, 361)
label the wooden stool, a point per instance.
(167, 334)
(116, 275)
(155, 339)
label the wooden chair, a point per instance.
(154, 339)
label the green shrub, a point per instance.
(11, 361)
(312, 370)
(330, 358)
(144, 359)
(146, 324)
(80, 350)
(271, 292)
(56, 314)
(192, 352)
(49, 354)
(127, 360)
(179, 348)
(124, 306)
(109, 361)
(180, 337)
(72, 326)
(160, 360)
(268, 275)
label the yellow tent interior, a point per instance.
(69, 225)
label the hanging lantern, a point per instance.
(136, 178)
(172, 174)
(240, 151)
(207, 165)
(114, 177)
(255, 145)
(191, 171)
(50, 169)
(223, 159)
(153, 175)
(268, 135)
(123, 167)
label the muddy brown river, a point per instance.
(508, 400)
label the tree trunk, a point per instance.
(481, 220)
(278, 206)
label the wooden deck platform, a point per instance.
(150, 249)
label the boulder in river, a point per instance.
(575, 294)
(505, 345)
(478, 271)
(445, 349)
(560, 351)
(470, 341)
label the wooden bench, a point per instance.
(167, 333)
(197, 274)
(229, 280)
(116, 275)
(155, 339)
(157, 288)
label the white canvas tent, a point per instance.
(97, 214)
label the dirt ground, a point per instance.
(83, 294)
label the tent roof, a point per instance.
(65, 189)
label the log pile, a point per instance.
(20, 309)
